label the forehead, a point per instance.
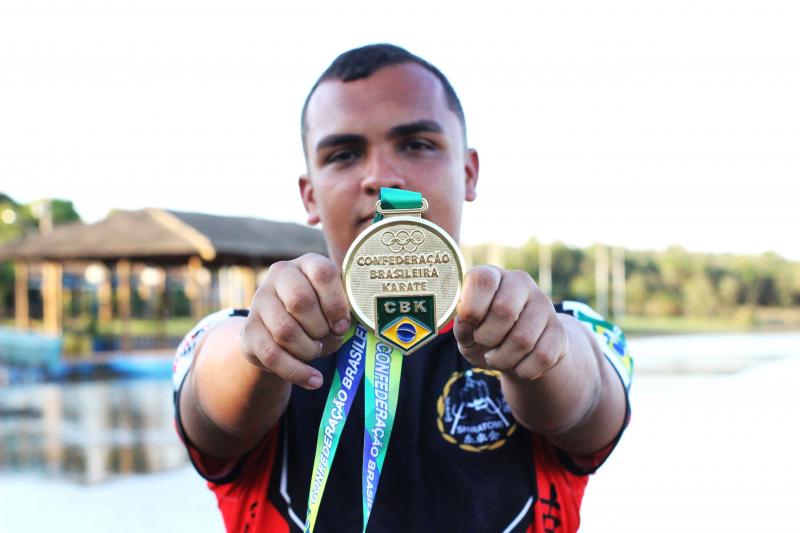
(390, 96)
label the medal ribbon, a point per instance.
(381, 391)
(383, 367)
(349, 370)
(398, 199)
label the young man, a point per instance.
(500, 418)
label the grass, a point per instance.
(171, 327)
(674, 325)
(742, 320)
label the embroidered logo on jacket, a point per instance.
(472, 412)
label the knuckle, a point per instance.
(270, 357)
(337, 308)
(276, 269)
(285, 333)
(484, 277)
(309, 257)
(300, 301)
(543, 358)
(323, 273)
(261, 291)
(498, 360)
(485, 338)
(518, 275)
(540, 298)
(559, 329)
(470, 315)
(250, 323)
(521, 340)
(504, 309)
(318, 330)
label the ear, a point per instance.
(471, 166)
(309, 200)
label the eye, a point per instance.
(342, 157)
(418, 145)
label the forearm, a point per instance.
(579, 404)
(228, 404)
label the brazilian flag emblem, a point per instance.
(405, 322)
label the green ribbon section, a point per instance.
(344, 385)
(382, 389)
(398, 199)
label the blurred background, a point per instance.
(640, 158)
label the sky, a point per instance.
(638, 124)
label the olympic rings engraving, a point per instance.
(402, 241)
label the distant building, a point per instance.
(217, 257)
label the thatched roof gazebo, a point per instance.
(233, 246)
(165, 236)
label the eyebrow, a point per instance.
(403, 130)
(420, 126)
(340, 139)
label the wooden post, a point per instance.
(618, 282)
(248, 275)
(52, 296)
(192, 288)
(21, 308)
(52, 427)
(545, 269)
(601, 279)
(104, 311)
(233, 286)
(124, 300)
(161, 299)
(223, 286)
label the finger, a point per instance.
(472, 351)
(522, 338)
(261, 350)
(507, 304)
(300, 300)
(285, 330)
(326, 280)
(331, 344)
(550, 349)
(463, 332)
(479, 287)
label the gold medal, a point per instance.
(403, 278)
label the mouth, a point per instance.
(364, 221)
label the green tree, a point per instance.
(699, 296)
(730, 291)
(16, 221)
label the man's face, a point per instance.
(392, 129)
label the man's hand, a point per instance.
(298, 313)
(505, 322)
(240, 381)
(553, 374)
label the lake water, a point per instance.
(89, 432)
(715, 428)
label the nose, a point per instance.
(381, 172)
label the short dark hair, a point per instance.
(360, 63)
